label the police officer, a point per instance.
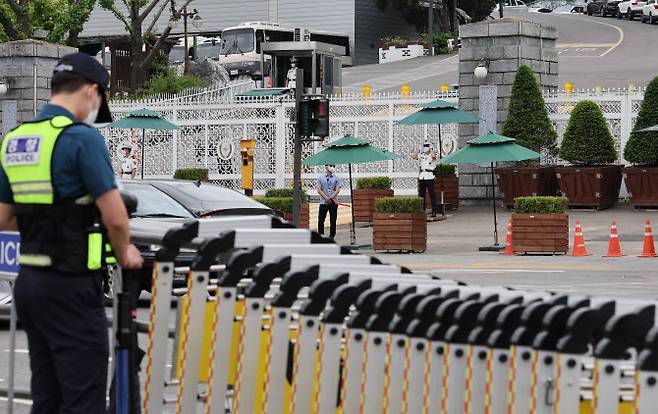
(128, 164)
(427, 158)
(56, 181)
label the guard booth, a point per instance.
(322, 64)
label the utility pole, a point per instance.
(297, 167)
(186, 62)
(430, 28)
(501, 6)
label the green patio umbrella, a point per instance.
(350, 150)
(440, 113)
(143, 119)
(491, 148)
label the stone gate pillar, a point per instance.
(501, 46)
(25, 64)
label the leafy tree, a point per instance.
(587, 139)
(477, 9)
(134, 15)
(413, 13)
(642, 147)
(62, 19)
(527, 120)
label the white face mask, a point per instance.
(91, 116)
(426, 150)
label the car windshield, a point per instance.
(207, 197)
(152, 202)
(237, 41)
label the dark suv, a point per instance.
(603, 8)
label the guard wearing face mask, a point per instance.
(427, 158)
(57, 187)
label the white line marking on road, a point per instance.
(621, 35)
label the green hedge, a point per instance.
(642, 147)
(528, 120)
(587, 139)
(191, 174)
(371, 183)
(403, 204)
(282, 204)
(445, 170)
(284, 192)
(540, 205)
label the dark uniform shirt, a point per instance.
(79, 151)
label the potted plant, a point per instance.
(641, 150)
(446, 175)
(280, 200)
(399, 223)
(540, 225)
(528, 122)
(592, 180)
(363, 198)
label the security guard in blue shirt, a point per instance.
(56, 181)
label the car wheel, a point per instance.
(651, 19)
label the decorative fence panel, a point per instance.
(212, 130)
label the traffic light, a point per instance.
(313, 117)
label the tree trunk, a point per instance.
(454, 21)
(23, 19)
(137, 41)
(501, 8)
(73, 39)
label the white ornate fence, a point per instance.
(212, 129)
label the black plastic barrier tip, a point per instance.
(580, 327)
(647, 360)
(625, 331)
(210, 249)
(384, 311)
(279, 223)
(405, 270)
(465, 318)
(375, 261)
(175, 238)
(365, 306)
(345, 250)
(292, 283)
(341, 301)
(559, 299)
(319, 293)
(531, 323)
(264, 274)
(237, 264)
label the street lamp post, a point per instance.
(196, 22)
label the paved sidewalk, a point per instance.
(452, 252)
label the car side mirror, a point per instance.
(130, 201)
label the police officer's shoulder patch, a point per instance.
(22, 150)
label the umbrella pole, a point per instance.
(443, 206)
(352, 230)
(143, 151)
(493, 198)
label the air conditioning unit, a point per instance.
(302, 35)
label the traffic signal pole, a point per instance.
(297, 167)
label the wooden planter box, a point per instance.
(642, 185)
(303, 219)
(363, 203)
(593, 187)
(540, 233)
(526, 181)
(399, 231)
(450, 192)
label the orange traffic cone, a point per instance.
(614, 247)
(508, 241)
(579, 242)
(648, 250)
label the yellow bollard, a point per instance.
(247, 151)
(405, 89)
(445, 88)
(568, 87)
(632, 87)
(366, 91)
(599, 89)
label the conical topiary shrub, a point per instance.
(527, 119)
(587, 139)
(642, 147)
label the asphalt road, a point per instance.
(593, 51)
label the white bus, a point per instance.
(240, 46)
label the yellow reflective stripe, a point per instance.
(94, 251)
(35, 260)
(18, 188)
